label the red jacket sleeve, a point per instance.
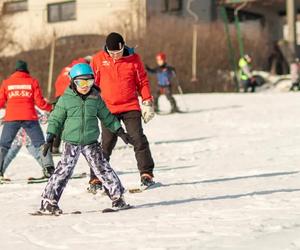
(142, 81)
(38, 97)
(93, 65)
(3, 96)
(61, 83)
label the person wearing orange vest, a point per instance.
(20, 92)
(121, 77)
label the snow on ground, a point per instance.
(231, 180)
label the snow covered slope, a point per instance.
(230, 170)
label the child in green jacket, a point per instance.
(76, 117)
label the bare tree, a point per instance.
(6, 31)
(7, 43)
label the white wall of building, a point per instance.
(285, 32)
(92, 17)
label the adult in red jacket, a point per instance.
(121, 77)
(61, 83)
(20, 93)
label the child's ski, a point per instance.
(33, 180)
(39, 213)
(106, 210)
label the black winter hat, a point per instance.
(114, 41)
(21, 66)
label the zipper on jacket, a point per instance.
(82, 119)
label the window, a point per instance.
(172, 5)
(59, 12)
(15, 6)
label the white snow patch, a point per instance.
(230, 174)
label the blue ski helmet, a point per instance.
(81, 69)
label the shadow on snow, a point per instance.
(168, 142)
(222, 197)
(231, 178)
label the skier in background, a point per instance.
(76, 117)
(165, 75)
(23, 139)
(295, 75)
(245, 73)
(61, 84)
(120, 74)
(20, 93)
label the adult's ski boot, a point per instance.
(95, 186)
(147, 180)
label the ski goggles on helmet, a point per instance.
(115, 52)
(83, 83)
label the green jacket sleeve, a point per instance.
(57, 118)
(108, 119)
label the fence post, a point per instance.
(51, 64)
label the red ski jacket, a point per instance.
(63, 80)
(121, 81)
(20, 92)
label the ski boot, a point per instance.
(95, 186)
(50, 207)
(55, 151)
(146, 181)
(48, 171)
(119, 204)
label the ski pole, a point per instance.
(180, 92)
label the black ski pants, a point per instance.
(133, 124)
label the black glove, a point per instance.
(124, 136)
(49, 142)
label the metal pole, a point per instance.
(180, 91)
(230, 48)
(51, 64)
(195, 38)
(291, 21)
(238, 28)
(194, 53)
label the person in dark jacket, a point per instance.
(75, 116)
(165, 74)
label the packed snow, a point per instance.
(229, 170)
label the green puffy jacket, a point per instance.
(77, 119)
